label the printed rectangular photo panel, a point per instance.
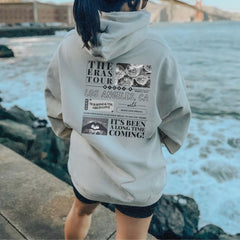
(133, 75)
(96, 126)
(117, 99)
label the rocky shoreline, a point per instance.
(10, 32)
(175, 217)
(5, 52)
(29, 136)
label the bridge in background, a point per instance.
(198, 7)
(199, 14)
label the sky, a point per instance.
(229, 5)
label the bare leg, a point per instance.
(78, 220)
(131, 228)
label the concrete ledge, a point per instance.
(34, 204)
(7, 231)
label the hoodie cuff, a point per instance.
(171, 145)
(59, 128)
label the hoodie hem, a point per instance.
(92, 197)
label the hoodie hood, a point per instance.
(125, 31)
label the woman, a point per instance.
(115, 90)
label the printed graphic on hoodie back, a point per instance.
(116, 99)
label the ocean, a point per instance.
(207, 167)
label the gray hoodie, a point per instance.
(117, 103)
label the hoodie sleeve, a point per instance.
(52, 94)
(173, 106)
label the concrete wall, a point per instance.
(16, 13)
(20, 12)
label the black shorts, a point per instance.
(131, 211)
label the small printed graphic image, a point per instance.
(133, 75)
(97, 126)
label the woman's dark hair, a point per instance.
(86, 15)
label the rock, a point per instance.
(229, 237)
(63, 150)
(19, 115)
(175, 217)
(39, 123)
(50, 152)
(58, 156)
(48, 147)
(17, 132)
(209, 231)
(28, 135)
(22, 116)
(41, 148)
(191, 213)
(4, 114)
(58, 150)
(5, 52)
(15, 146)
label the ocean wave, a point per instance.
(200, 113)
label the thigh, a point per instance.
(131, 227)
(137, 212)
(82, 205)
(81, 208)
